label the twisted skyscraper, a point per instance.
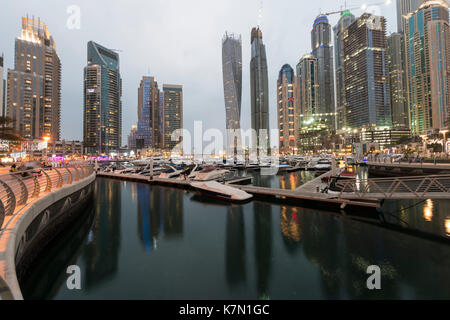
(232, 84)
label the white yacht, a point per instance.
(210, 173)
(323, 165)
(219, 191)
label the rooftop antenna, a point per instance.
(260, 13)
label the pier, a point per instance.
(306, 195)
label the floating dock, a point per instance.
(305, 195)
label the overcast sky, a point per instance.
(177, 42)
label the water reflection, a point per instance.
(257, 250)
(235, 246)
(159, 210)
(426, 216)
(287, 180)
(101, 254)
(263, 246)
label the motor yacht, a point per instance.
(219, 191)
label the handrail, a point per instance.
(17, 189)
(421, 187)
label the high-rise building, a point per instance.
(397, 76)
(34, 85)
(102, 129)
(172, 114)
(403, 8)
(427, 42)
(307, 89)
(148, 127)
(259, 88)
(2, 89)
(322, 49)
(346, 19)
(366, 74)
(232, 84)
(286, 109)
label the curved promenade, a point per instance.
(33, 209)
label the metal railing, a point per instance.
(19, 188)
(420, 187)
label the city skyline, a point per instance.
(171, 64)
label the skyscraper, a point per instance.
(172, 114)
(346, 19)
(366, 74)
(322, 49)
(427, 42)
(102, 127)
(2, 89)
(307, 91)
(259, 89)
(397, 76)
(232, 83)
(34, 86)
(286, 109)
(148, 127)
(403, 8)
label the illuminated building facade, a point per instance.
(148, 127)
(102, 124)
(286, 109)
(322, 50)
(427, 42)
(366, 73)
(34, 85)
(232, 84)
(346, 19)
(311, 125)
(399, 103)
(259, 88)
(172, 114)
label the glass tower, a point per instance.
(366, 76)
(346, 19)
(232, 84)
(259, 88)
(286, 109)
(427, 42)
(102, 127)
(322, 49)
(172, 114)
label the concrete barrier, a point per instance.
(35, 225)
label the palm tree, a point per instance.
(6, 131)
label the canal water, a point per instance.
(146, 242)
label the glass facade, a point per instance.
(427, 45)
(259, 88)
(102, 101)
(322, 50)
(232, 85)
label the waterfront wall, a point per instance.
(33, 226)
(406, 169)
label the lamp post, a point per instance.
(46, 140)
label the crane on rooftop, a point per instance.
(363, 7)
